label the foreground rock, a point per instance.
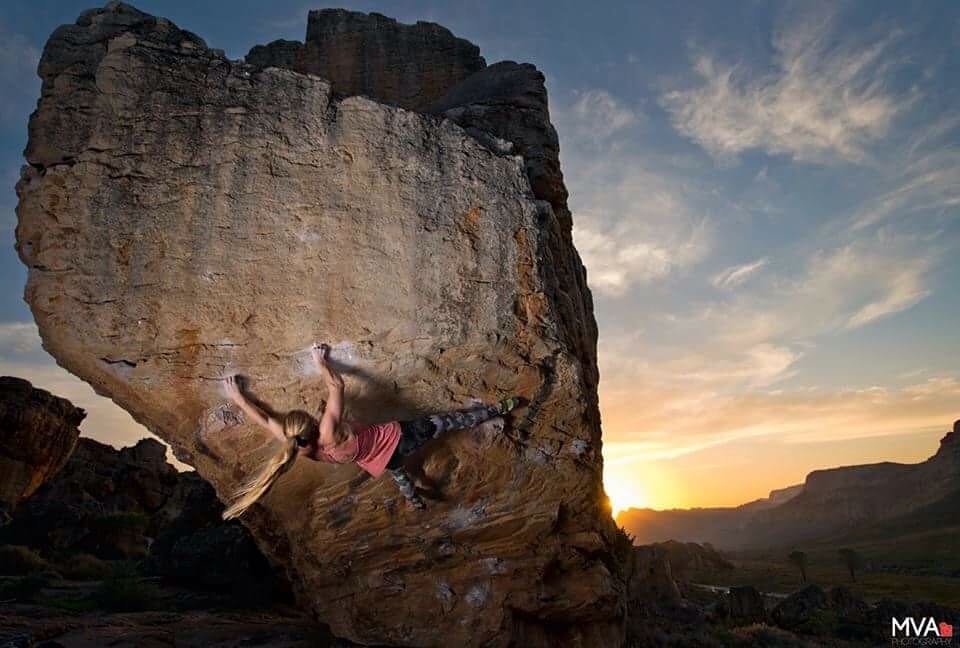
(107, 504)
(32, 626)
(185, 217)
(742, 605)
(37, 434)
(102, 503)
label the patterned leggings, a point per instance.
(416, 432)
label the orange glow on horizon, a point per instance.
(623, 491)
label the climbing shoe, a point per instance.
(509, 404)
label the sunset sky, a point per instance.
(766, 197)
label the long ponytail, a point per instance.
(296, 424)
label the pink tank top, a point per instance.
(370, 446)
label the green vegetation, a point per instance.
(118, 521)
(77, 605)
(923, 566)
(852, 561)
(125, 590)
(17, 560)
(799, 558)
(83, 567)
(24, 589)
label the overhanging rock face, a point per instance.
(185, 217)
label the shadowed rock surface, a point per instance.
(132, 504)
(32, 626)
(38, 431)
(100, 503)
(185, 217)
(370, 54)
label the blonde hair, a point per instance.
(296, 423)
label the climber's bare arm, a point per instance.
(250, 408)
(334, 383)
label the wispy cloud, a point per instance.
(647, 421)
(18, 338)
(635, 223)
(629, 254)
(827, 99)
(600, 114)
(839, 288)
(927, 184)
(736, 275)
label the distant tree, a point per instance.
(852, 560)
(799, 558)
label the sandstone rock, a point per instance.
(652, 582)
(686, 556)
(37, 434)
(509, 100)
(848, 605)
(410, 66)
(196, 548)
(102, 502)
(185, 217)
(744, 605)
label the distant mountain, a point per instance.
(834, 502)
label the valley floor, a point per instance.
(923, 566)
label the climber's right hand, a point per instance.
(320, 353)
(232, 387)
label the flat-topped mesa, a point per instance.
(186, 217)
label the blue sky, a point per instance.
(766, 196)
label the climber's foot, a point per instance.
(509, 404)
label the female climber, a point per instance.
(375, 448)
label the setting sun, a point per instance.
(623, 490)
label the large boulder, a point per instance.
(38, 431)
(185, 217)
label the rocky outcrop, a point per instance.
(101, 503)
(741, 606)
(131, 503)
(652, 583)
(185, 217)
(194, 547)
(37, 434)
(410, 66)
(685, 557)
(797, 609)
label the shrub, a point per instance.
(117, 521)
(23, 589)
(124, 590)
(17, 560)
(84, 567)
